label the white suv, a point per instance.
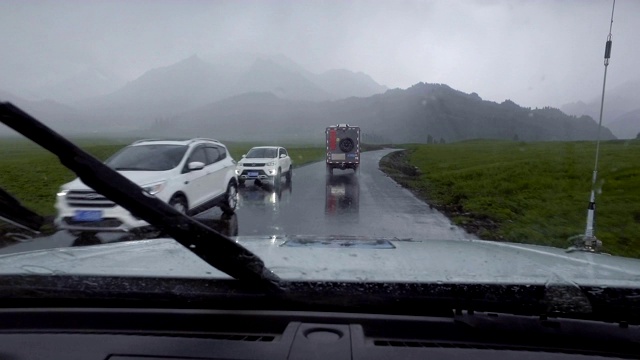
(265, 163)
(191, 175)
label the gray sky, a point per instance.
(535, 52)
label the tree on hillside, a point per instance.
(638, 136)
(429, 139)
(442, 141)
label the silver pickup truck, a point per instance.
(343, 147)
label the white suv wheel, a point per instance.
(230, 199)
(179, 203)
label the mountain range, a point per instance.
(421, 112)
(275, 99)
(194, 82)
(63, 118)
(621, 109)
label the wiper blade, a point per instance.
(214, 248)
(15, 213)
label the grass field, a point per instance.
(529, 192)
(33, 175)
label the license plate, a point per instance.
(253, 173)
(88, 215)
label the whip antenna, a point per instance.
(588, 241)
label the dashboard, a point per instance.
(147, 334)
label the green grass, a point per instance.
(33, 175)
(530, 192)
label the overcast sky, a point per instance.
(535, 52)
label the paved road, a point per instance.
(368, 204)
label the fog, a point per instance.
(536, 53)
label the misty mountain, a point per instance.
(191, 83)
(160, 92)
(337, 83)
(619, 102)
(398, 116)
(60, 118)
(627, 124)
(248, 117)
(268, 76)
(343, 83)
(87, 83)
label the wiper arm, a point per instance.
(15, 213)
(214, 248)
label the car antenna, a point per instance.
(588, 242)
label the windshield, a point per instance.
(148, 157)
(389, 141)
(266, 153)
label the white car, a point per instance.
(265, 164)
(190, 175)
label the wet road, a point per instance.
(367, 204)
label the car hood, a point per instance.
(345, 259)
(138, 177)
(256, 160)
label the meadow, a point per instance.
(534, 193)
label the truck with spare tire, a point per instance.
(343, 147)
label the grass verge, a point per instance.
(528, 192)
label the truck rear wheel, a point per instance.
(346, 145)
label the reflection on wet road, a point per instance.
(342, 195)
(367, 203)
(364, 204)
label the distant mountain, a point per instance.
(268, 76)
(338, 83)
(164, 92)
(344, 83)
(619, 101)
(248, 117)
(160, 92)
(627, 125)
(87, 83)
(400, 116)
(60, 118)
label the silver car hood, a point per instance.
(344, 259)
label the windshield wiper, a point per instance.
(214, 248)
(15, 213)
